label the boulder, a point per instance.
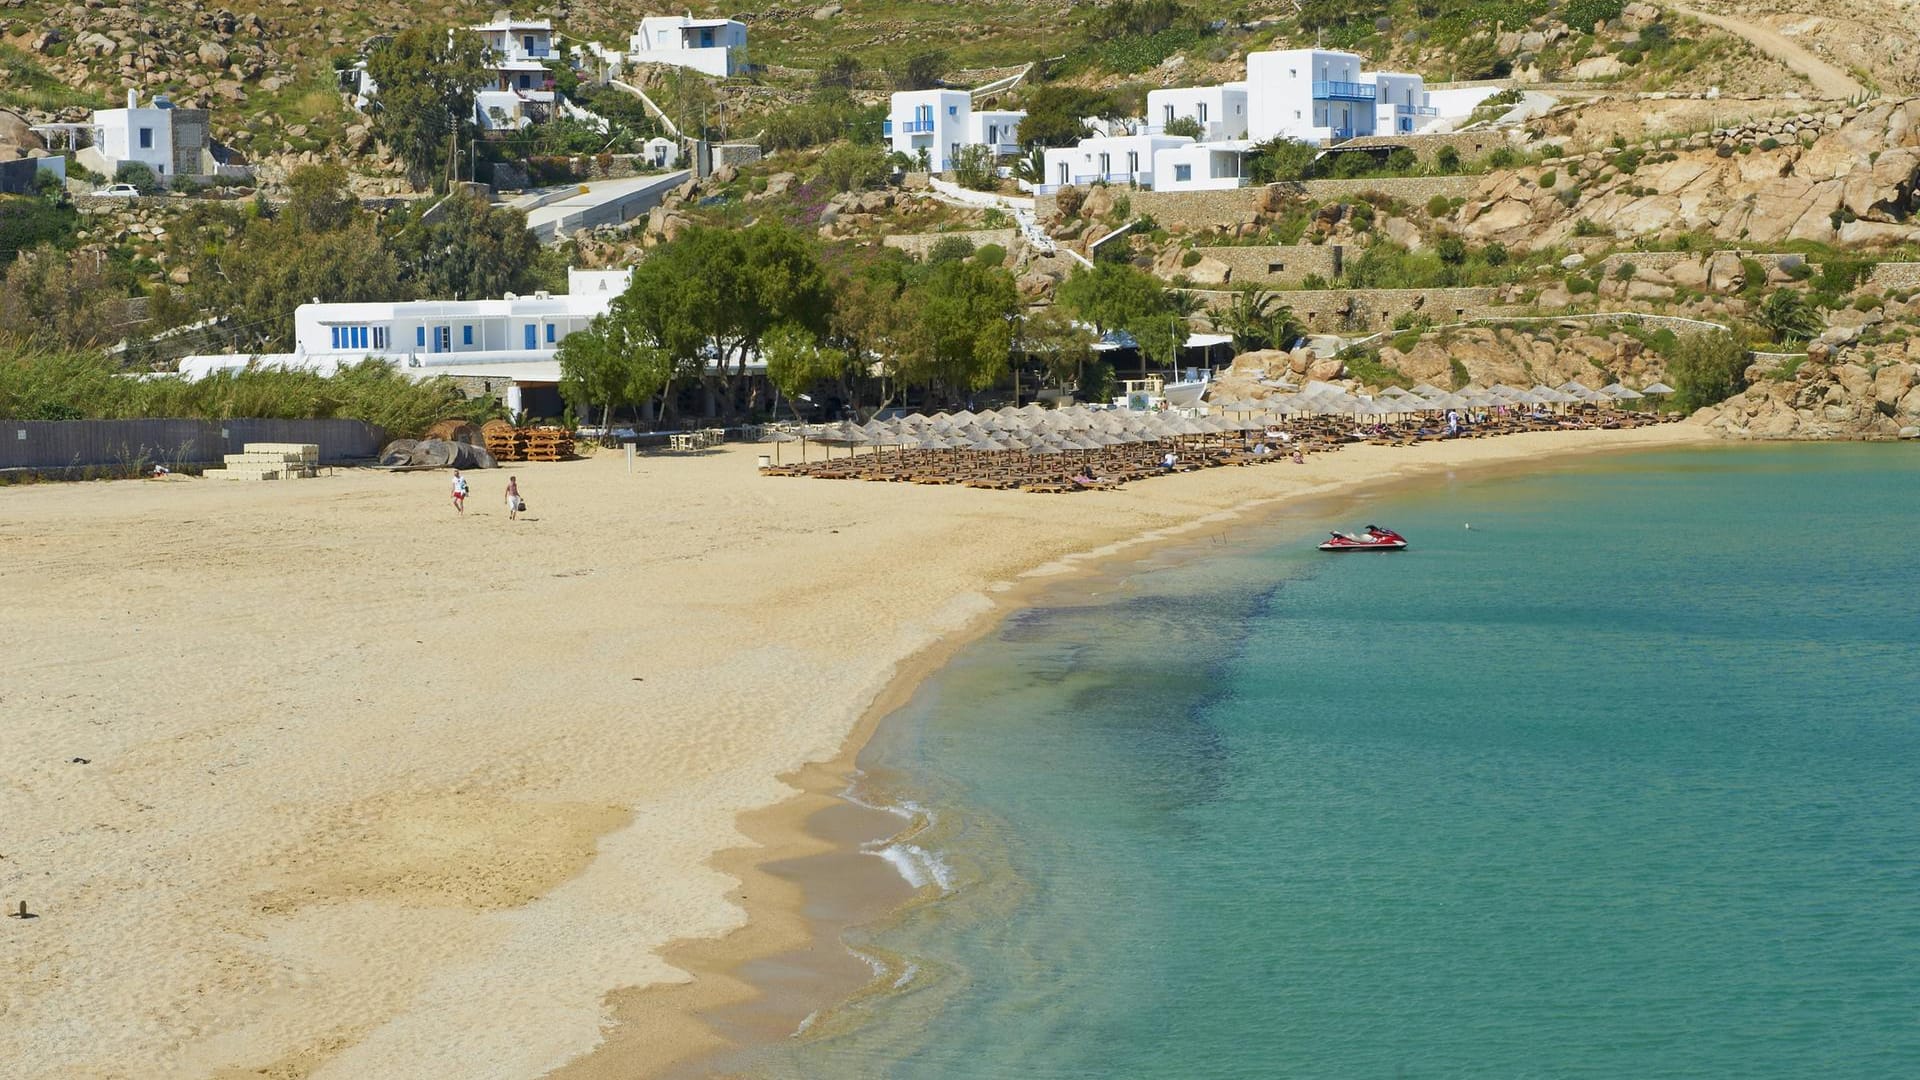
(1325, 370)
(1209, 271)
(1599, 67)
(827, 11)
(213, 54)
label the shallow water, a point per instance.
(1620, 781)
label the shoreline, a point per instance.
(723, 986)
(403, 786)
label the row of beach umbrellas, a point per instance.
(1037, 430)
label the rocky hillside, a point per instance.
(1845, 176)
(1832, 395)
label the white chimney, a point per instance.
(133, 98)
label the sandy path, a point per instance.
(374, 791)
(1829, 80)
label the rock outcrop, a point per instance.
(1855, 184)
(1829, 396)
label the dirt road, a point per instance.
(1829, 81)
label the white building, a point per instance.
(1221, 111)
(522, 90)
(1214, 166)
(716, 47)
(996, 129)
(660, 152)
(935, 121)
(1401, 104)
(1313, 95)
(942, 121)
(172, 142)
(514, 337)
(1108, 159)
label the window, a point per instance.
(356, 337)
(550, 337)
(953, 110)
(1200, 112)
(1182, 173)
(1133, 162)
(1293, 73)
(442, 338)
(380, 338)
(1168, 113)
(146, 138)
(527, 43)
(466, 334)
(420, 337)
(1106, 164)
(1063, 174)
(1275, 268)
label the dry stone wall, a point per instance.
(1205, 209)
(918, 244)
(1369, 310)
(1282, 265)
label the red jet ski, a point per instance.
(1374, 538)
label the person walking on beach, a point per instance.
(513, 497)
(459, 493)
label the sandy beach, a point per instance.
(373, 790)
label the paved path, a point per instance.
(1830, 81)
(604, 202)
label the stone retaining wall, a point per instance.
(1883, 276)
(918, 244)
(1284, 265)
(1895, 275)
(1205, 209)
(1365, 310)
(1468, 144)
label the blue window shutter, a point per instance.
(466, 335)
(420, 336)
(549, 333)
(336, 336)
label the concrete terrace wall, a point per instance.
(59, 444)
(918, 244)
(1206, 209)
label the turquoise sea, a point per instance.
(1622, 781)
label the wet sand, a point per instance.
(373, 790)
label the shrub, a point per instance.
(849, 166)
(990, 255)
(1438, 207)
(1625, 271)
(1447, 160)
(1406, 340)
(950, 249)
(1579, 286)
(1787, 316)
(1190, 258)
(1587, 227)
(1706, 369)
(1549, 179)
(1361, 216)
(1769, 143)
(139, 175)
(1865, 302)
(1186, 125)
(1459, 373)
(1495, 253)
(1451, 249)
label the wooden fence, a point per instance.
(60, 444)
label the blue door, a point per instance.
(533, 340)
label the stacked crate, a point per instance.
(548, 444)
(270, 461)
(504, 441)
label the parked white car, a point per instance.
(119, 191)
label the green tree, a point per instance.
(1706, 369)
(797, 361)
(1031, 167)
(318, 199)
(1788, 317)
(922, 71)
(1282, 160)
(50, 301)
(840, 72)
(427, 79)
(611, 364)
(465, 249)
(847, 166)
(949, 249)
(1477, 58)
(257, 279)
(1111, 296)
(1056, 114)
(963, 331)
(1063, 348)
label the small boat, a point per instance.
(1374, 538)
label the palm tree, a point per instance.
(1031, 167)
(1257, 320)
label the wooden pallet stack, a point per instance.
(504, 441)
(548, 444)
